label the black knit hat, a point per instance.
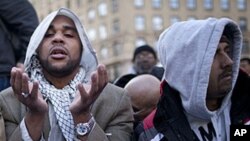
(144, 48)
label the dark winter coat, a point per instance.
(18, 18)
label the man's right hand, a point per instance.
(20, 84)
(38, 107)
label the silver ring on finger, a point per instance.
(25, 95)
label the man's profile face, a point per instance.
(144, 62)
(220, 80)
(60, 50)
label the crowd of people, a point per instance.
(57, 90)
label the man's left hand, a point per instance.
(87, 94)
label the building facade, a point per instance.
(117, 27)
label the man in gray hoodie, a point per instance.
(201, 61)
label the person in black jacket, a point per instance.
(203, 91)
(18, 20)
(144, 62)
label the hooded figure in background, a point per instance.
(201, 61)
(63, 94)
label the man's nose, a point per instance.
(58, 37)
(227, 61)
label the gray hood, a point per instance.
(88, 60)
(186, 51)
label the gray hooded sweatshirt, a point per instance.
(186, 51)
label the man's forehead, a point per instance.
(145, 52)
(226, 41)
(224, 38)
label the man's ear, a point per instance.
(38, 48)
(38, 51)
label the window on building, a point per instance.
(116, 26)
(156, 4)
(103, 32)
(117, 49)
(157, 22)
(243, 24)
(111, 73)
(140, 41)
(191, 4)
(115, 5)
(139, 3)
(102, 9)
(91, 34)
(104, 52)
(91, 14)
(245, 47)
(139, 23)
(174, 19)
(241, 4)
(174, 4)
(224, 4)
(208, 4)
(79, 3)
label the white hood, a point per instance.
(88, 60)
(186, 51)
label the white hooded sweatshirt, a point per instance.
(186, 51)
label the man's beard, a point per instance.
(67, 69)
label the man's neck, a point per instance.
(62, 81)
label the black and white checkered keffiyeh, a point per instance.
(60, 98)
